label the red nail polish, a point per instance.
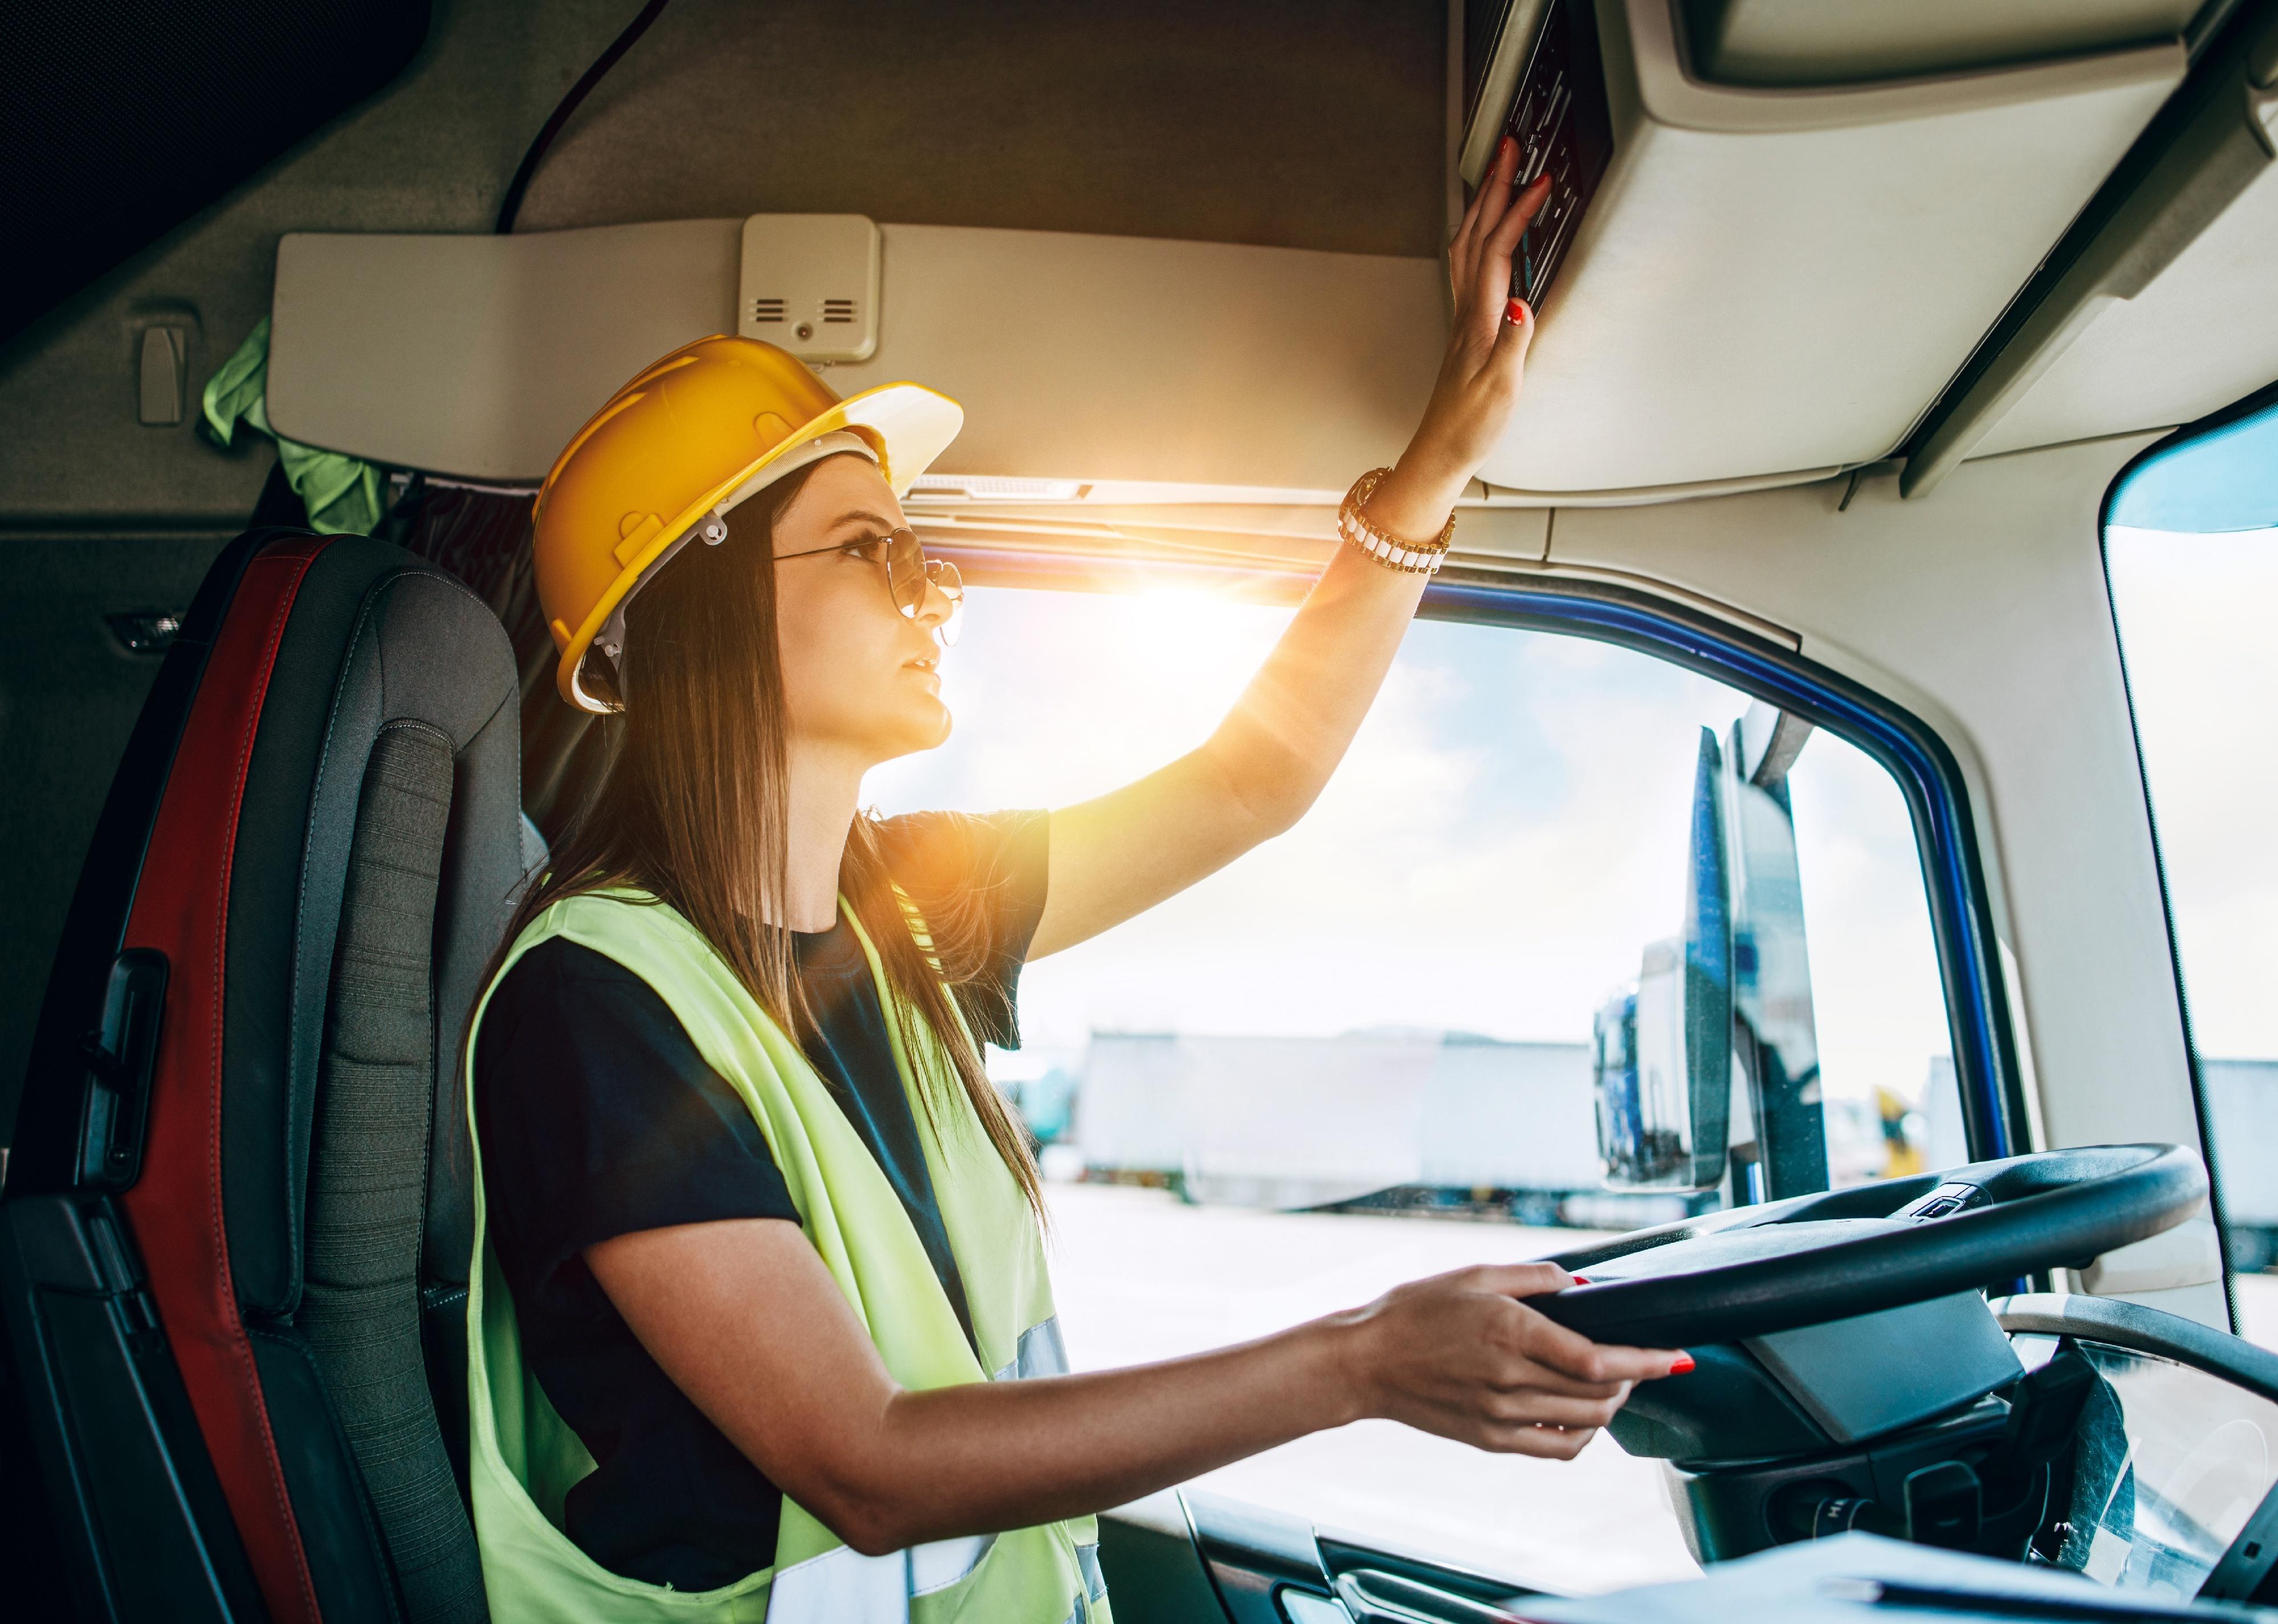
(1579, 1279)
(1502, 149)
(1517, 311)
(1679, 1365)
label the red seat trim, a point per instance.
(181, 908)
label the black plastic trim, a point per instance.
(142, 1530)
(1252, 1554)
(43, 1151)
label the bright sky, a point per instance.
(1507, 834)
(2203, 668)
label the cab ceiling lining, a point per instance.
(123, 120)
(1280, 122)
(1312, 124)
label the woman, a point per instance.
(756, 1229)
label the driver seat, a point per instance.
(234, 1242)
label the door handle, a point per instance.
(1373, 1597)
(120, 1054)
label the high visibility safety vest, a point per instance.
(524, 1457)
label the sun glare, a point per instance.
(1061, 696)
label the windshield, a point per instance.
(1435, 1023)
(2172, 1462)
(2191, 552)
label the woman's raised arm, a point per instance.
(1122, 853)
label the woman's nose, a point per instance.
(937, 606)
(944, 603)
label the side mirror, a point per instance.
(1728, 1003)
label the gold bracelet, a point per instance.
(1410, 558)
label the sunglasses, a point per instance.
(909, 574)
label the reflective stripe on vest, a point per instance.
(1041, 1353)
(846, 1584)
(524, 1459)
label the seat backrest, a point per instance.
(319, 827)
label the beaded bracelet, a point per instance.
(1410, 558)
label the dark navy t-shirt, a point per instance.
(598, 1118)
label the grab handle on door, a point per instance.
(1373, 1597)
(121, 1053)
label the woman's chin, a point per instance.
(922, 730)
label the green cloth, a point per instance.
(342, 493)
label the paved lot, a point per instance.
(1140, 1275)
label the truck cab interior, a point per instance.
(1860, 327)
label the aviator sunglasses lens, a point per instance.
(910, 573)
(943, 574)
(905, 571)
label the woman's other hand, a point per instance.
(1461, 1355)
(1479, 380)
(812, 1404)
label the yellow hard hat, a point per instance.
(690, 438)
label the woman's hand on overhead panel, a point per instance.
(1479, 377)
(1122, 853)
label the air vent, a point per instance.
(810, 283)
(995, 488)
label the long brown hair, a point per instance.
(692, 807)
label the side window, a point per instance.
(1577, 941)
(2192, 553)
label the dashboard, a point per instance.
(2162, 1489)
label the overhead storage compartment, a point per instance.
(1771, 279)
(1853, 41)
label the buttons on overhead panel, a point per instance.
(1558, 118)
(810, 283)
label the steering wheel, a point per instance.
(1753, 1270)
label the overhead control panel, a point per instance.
(1556, 113)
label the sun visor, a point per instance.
(1126, 368)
